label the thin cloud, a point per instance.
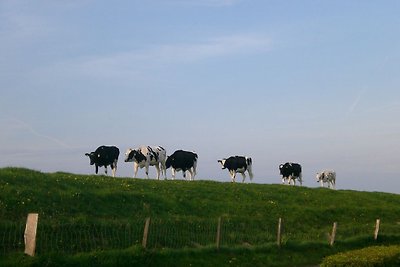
(16, 125)
(355, 103)
(213, 48)
(136, 63)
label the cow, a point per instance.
(237, 164)
(291, 172)
(104, 156)
(182, 161)
(327, 176)
(146, 156)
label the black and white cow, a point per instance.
(327, 176)
(291, 172)
(237, 164)
(183, 161)
(146, 156)
(104, 156)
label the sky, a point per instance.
(315, 82)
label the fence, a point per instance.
(171, 233)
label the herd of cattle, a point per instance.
(180, 160)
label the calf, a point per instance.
(104, 156)
(182, 161)
(237, 164)
(291, 172)
(146, 156)
(328, 177)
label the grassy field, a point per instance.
(249, 215)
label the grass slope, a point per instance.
(61, 197)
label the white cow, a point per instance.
(327, 176)
(146, 156)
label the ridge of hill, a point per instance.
(64, 195)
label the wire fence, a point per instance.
(164, 233)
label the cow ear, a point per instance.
(87, 154)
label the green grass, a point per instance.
(366, 257)
(249, 215)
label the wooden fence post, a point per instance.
(378, 222)
(218, 239)
(333, 235)
(30, 233)
(279, 235)
(146, 232)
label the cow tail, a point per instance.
(195, 164)
(249, 161)
(249, 167)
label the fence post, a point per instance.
(279, 235)
(30, 233)
(146, 232)
(378, 222)
(218, 239)
(333, 235)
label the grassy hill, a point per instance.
(249, 215)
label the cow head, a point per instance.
(168, 162)
(92, 156)
(281, 169)
(130, 155)
(320, 176)
(222, 162)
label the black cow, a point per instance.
(237, 164)
(290, 172)
(104, 156)
(182, 161)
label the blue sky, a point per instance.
(314, 82)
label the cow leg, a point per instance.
(321, 183)
(173, 173)
(194, 169)
(294, 180)
(147, 170)
(194, 173)
(233, 176)
(244, 177)
(114, 168)
(300, 180)
(191, 174)
(96, 170)
(135, 169)
(250, 174)
(105, 169)
(164, 170)
(158, 171)
(184, 174)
